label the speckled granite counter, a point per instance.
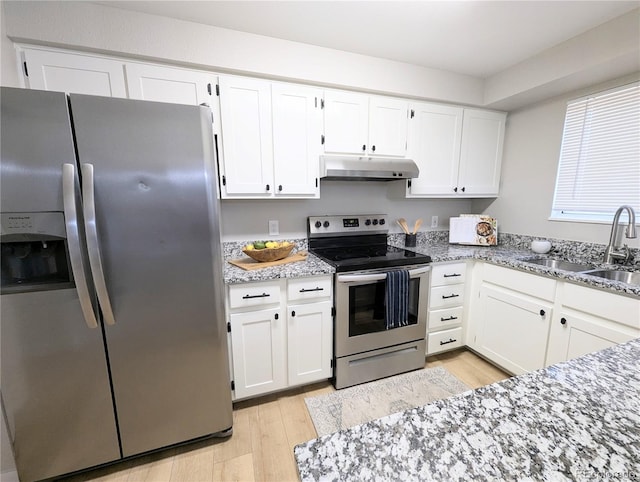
(578, 420)
(517, 258)
(312, 266)
(436, 245)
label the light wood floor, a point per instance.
(265, 430)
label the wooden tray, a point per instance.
(251, 264)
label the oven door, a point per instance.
(360, 323)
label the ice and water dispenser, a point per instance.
(34, 255)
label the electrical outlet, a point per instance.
(274, 228)
(434, 221)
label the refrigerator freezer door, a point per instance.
(36, 141)
(157, 226)
(55, 385)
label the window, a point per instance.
(599, 168)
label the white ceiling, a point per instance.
(478, 38)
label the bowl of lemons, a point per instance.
(264, 251)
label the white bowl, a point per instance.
(540, 246)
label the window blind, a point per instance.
(599, 168)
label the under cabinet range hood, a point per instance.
(355, 168)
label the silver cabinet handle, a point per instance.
(350, 278)
(70, 192)
(95, 258)
(362, 278)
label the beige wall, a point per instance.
(530, 161)
(102, 29)
(607, 51)
(246, 219)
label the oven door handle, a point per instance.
(363, 278)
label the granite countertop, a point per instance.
(577, 420)
(440, 251)
(517, 258)
(312, 266)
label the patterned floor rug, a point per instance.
(356, 405)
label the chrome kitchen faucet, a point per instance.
(613, 252)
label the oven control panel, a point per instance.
(345, 224)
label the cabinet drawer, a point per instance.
(309, 288)
(439, 319)
(530, 284)
(448, 274)
(446, 296)
(444, 340)
(254, 294)
(619, 308)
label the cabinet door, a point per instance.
(245, 106)
(310, 338)
(73, 73)
(434, 144)
(166, 84)
(388, 126)
(512, 329)
(574, 334)
(297, 127)
(346, 122)
(258, 352)
(481, 153)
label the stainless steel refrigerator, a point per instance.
(113, 341)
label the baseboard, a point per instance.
(10, 476)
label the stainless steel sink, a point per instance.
(629, 277)
(558, 264)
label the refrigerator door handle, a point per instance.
(95, 258)
(69, 192)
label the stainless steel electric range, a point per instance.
(366, 346)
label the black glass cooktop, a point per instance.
(360, 257)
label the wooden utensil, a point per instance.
(403, 224)
(417, 225)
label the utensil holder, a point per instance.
(410, 240)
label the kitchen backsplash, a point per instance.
(561, 248)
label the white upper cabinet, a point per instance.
(435, 133)
(271, 136)
(74, 73)
(481, 152)
(297, 124)
(346, 122)
(245, 108)
(169, 84)
(362, 124)
(458, 151)
(388, 119)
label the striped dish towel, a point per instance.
(397, 299)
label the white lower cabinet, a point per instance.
(511, 314)
(523, 322)
(446, 307)
(444, 340)
(309, 342)
(513, 329)
(280, 334)
(258, 352)
(590, 320)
